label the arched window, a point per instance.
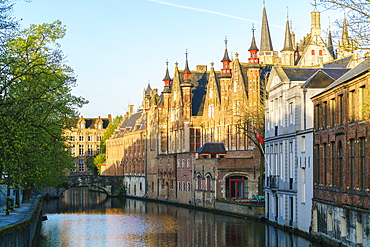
(189, 188)
(237, 187)
(208, 182)
(183, 186)
(179, 186)
(199, 182)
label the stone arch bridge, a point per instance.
(111, 185)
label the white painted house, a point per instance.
(289, 142)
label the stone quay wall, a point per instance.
(23, 232)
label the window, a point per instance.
(303, 199)
(318, 160)
(340, 112)
(208, 183)
(303, 144)
(195, 139)
(183, 186)
(81, 165)
(73, 150)
(211, 111)
(81, 138)
(351, 106)
(81, 150)
(352, 162)
(363, 172)
(90, 150)
(90, 138)
(330, 222)
(359, 232)
(317, 117)
(179, 186)
(325, 114)
(72, 138)
(237, 187)
(333, 164)
(343, 227)
(340, 164)
(199, 182)
(189, 188)
(361, 103)
(312, 52)
(291, 111)
(320, 52)
(98, 138)
(332, 112)
(325, 154)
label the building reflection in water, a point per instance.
(85, 218)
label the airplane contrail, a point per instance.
(210, 12)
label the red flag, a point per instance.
(259, 137)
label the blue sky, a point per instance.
(117, 47)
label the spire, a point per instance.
(187, 71)
(226, 61)
(288, 45)
(330, 42)
(266, 44)
(253, 49)
(345, 37)
(167, 80)
(226, 54)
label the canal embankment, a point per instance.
(21, 226)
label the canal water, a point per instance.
(87, 219)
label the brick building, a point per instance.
(341, 202)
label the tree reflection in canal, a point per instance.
(85, 218)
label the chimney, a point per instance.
(131, 109)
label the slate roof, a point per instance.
(363, 67)
(131, 121)
(212, 148)
(339, 63)
(323, 78)
(302, 74)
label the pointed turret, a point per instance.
(167, 81)
(345, 46)
(288, 45)
(287, 53)
(253, 50)
(186, 73)
(226, 61)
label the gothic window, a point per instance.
(199, 182)
(361, 102)
(325, 114)
(333, 164)
(325, 155)
(211, 111)
(237, 187)
(208, 182)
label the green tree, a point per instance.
(35, 106)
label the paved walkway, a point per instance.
(18, 214)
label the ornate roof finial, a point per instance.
(212, 64)
(176, 64)
(264, 2)
(253, 28)
(315, 5)
(186, 53)
(287, 12)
